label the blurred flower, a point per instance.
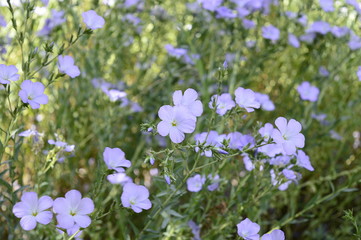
(289, 174)
(196, 230)
(175, 122)
(340, 31)
(248, 164)
(355, 4)
(308, 92)
(248, 24)
(246, 98)
(274, 235)
(175, 52)
(167, 179)
(73, 210)
(195, 183)
(359, 73)
(223, 103)
(136, 197)
(32, 210)
(66, 65)
(119, 178)
(214, 182)
(57, 18)
(293, 41)
(323, 71)
(302, 20)
(327, 5)
(71, 231)
(224, 12)
(210, 139)
(114, 158)
(304, 161)
(32, 93)
(32, 132)
(266, 131)
(288, 134)
(308, 37)
(320, 27)
(355, 42)
(335, 135)
(2, 21)
(92, 20)
(271, 33)
(265, 101)
(210, 5)
(248, 230)
(8, 73)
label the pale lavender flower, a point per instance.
(355, 4)
(66, 65)
(355, 42)
(73, 209)
(271, 150)
(223, 103)
(271, 32)
(293, 41)
(288, 134)
(340, 31)
(210, 139)
(359, 73)
(57, 18)
(224, 12)
(303, 20)
(32, 210)
(189, 101)
(119, 178)
(32, 93)
(274, 235)
(327, 5)
(116, 95)
(281, 160)
(2, 21)
(323, 71)
(320, 27)
(136, 197)
(32, 133)
(167, 179)
(130, 3)
(8, 74)
(246, 98)
(195, 183)
(251, 43)
(248, 24)
(132, 19)
(248, 164)
(291, 15)
(289, 174)
(239, 141)
(175, 52)
(114, 158)
(214, 182)
(281, 186)
(45, 2)
(61, 144)
(242, 12)
(92, 20)
(210, 5)
(248, 230)
(304, 161)
(196, 230)
(308, 37)
(175, 122)
(265, 101)
(266, 131)
(308, 92)
(335, 135)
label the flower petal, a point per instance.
(44, 217)
(28, 222)
(82, 220)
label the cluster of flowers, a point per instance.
(248, 230)
(181, 53)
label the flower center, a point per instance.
(174, 123)
(35, 213)
(72, 213)
(132, 201)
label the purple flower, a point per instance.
(189, 101)
(92, 20)
(71, 231)
(57, 18)
(304, 161)
(223, 103)
(248, 230)
(327, 5)
(32, 210)
(246, 98)
(32, 93)
(224, 12)
(175, 122)
(167, 179)
(2, 21)
(302, 20)
(73, 209)
(8, 73)
(266, 131)
(130, 3)
(320, 27)
(308, 92)
(288, 134)
(210, 139)
(239, 141)
(119, 178)
(60, 144)
(195, 183)
(248, 24)
(136, 197)
(359, 73)
(308, 37)
(271, 32)
(355, 42)
(265, 101)
(340, 31)
(355, 4)
(210, 5)
(114, 158)
(66, 65)
(175, 52)
(293, 41)
(323, 71)
(196, 230)
(248, 164)
(214, 182)
(289, 174)
(274, 235)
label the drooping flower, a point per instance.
(288, 135)
(304, 161)
(33, 210)
(93, 20)
(195, 183)
(248, 230)
(114, 158)
(246, 98)
(136, 197)
(308, 92)
(271, 32)
(33, 94)
(119, 178)
(66, 65)
(175, 122)
(189, 101)
(274, 235)
(223, 103)
(73, 210)
(8, 74)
